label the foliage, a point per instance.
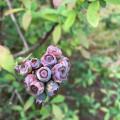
(87, 31)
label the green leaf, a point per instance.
(83, 39)
(45, 111)
(75, 117)
(26, 20)
(47, 14)
(58, 99)
(27, 3)
(92, 13)
(11, 11)
(17, 108)
(107, 116)
(29, 103)
(6, 59)
(113, 1)
(57, 112)
(69, 21)
(56, 34)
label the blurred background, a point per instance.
(88, 32)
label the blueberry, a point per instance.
(59, 73)
(28, 80)
(40, 98)
(65, 62)
(55, 51)
(25, 67)
(35, 63)
(43, 74)
(17, 68)
(52, 88)
(48, 60)
(36, 88)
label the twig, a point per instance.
(19, 97)
(38, 43)
(115, 64)
(16, 25)
(12, 97)
(4, 86)
(15, 92)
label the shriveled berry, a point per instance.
(52, 88)
(43, 74)
(59, 73)
(35, 63)
(55, 51)
(40, 98)
(48, 60)
(25, 67)
(28, 80)
(65, 62)
(36, 88)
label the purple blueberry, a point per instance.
(59, 73)
(36, 88)
(17, 68)
(54, 50)
(28, 80)
(48, 60)
(65, 62)
(35, 63)
(40, 98)
(43, 74)
(25, 67)
(52, 88)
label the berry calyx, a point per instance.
(43, 74)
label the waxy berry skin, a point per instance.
(48, 60)
(25, 67)
(52, 88)
(40, 98)
(59, 73)
(35, 63)
(55, 51)
(43, 74)
(28, 80)
(65, 62)
(36, 88)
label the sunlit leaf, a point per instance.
(26, 20)
(6, 59)
(45, 111)
(113, 1)
(8, 12)
(27, 3)
(107, 116)
(47, 14)
(57, 34)
(16, 108)
(29, 103)
(58, 99)
(57, 112)
(92, 13)
(69, 21)
(83, 39)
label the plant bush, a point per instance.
(87, 31)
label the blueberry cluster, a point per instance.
(44, 76)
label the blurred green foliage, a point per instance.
(88, 32)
